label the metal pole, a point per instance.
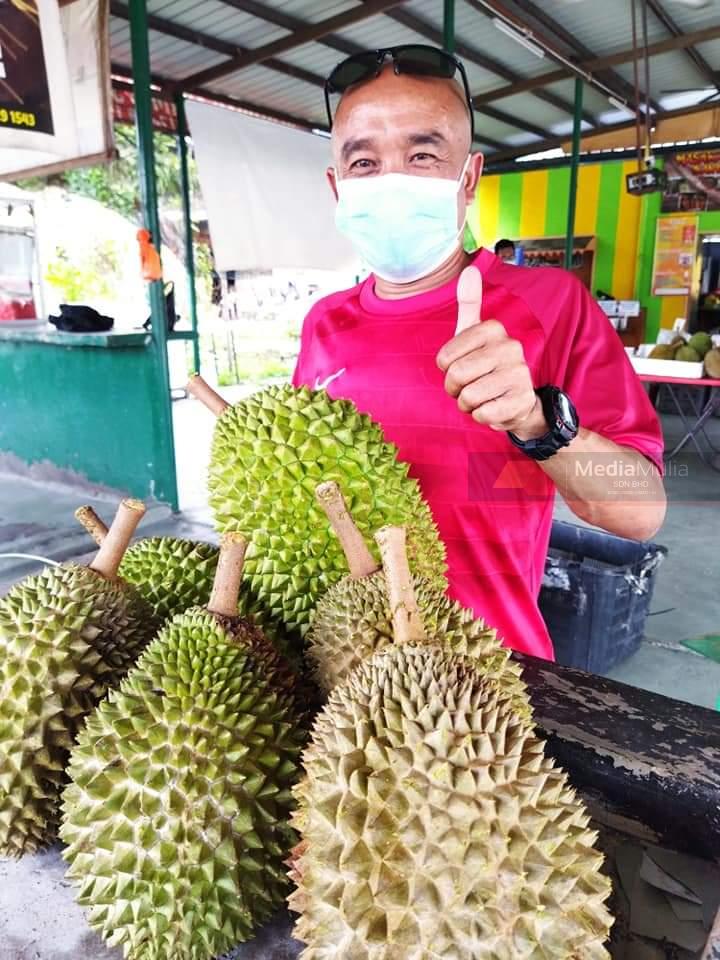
(187, 218)
(449, 25)
(574, 163)
(148, 196)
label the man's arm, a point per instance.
(485, 370)
(610, 486)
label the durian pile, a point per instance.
(692, 350)
(422, 821)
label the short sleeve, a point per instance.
(587, 359)
(302, 376)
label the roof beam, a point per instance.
(171, 29)
(301, 36)
(597, 63)
(697, 58)
(517, 122)
(427, 30)
(557, 141)
(271, 15)
(619, 85)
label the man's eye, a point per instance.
(423, 156)
(361, 164)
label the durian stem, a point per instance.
(407, 625)
(203, 392)
(93, 524)
(360, 561)
(113, 547)
(226, 587)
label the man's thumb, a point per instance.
(469, 294)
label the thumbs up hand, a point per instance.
(485, 370)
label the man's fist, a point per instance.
(486, 371)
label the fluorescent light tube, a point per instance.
(518, 37)
(620, 104)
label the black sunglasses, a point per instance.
(415, 59)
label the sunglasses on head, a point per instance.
(414, 59)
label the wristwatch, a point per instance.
(562, 420)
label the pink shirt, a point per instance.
(492, 504)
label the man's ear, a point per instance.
(332, 180)
(473, 174)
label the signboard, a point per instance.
(54, 85)
(693, 181)
(675, 251)
(164, 115)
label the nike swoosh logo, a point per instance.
(324, 384)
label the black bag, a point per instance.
(172, 317)
(78, 318)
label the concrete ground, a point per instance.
(39, 919)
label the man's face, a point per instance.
(404, 124)
(507, 254)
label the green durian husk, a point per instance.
(66, 636)
(433, 826)
(174, 574)
(268, 455)
(177, 817)
(353, 621)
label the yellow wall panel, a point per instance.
(588, 197)
(626, 240)
(483, 215)
(671, 308)
(534, 203)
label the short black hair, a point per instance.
(504, 243)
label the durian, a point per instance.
(712, 363)
(662, 351)
(688, 354)
(174, 574)
(432, 825)
(352, 621)
(701, 342)
(177, 816)
(269, 452)
(66, 635)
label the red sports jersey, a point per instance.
(492, 504)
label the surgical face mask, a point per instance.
(404, 227)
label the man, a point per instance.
(505, 251)
(455, 386)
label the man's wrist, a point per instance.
(534, 425)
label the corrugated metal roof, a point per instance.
(493, 60)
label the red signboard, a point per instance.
(693, 181)
(164, 116)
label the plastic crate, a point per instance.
(596, 594)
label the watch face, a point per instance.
(566, 410)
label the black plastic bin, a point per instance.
(596, 594)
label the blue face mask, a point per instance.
(403, 226)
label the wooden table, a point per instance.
(703, 407)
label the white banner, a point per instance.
(267, 198)
(54, 85)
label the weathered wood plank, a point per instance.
(654, 760)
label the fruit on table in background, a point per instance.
(701, 342)
(712, 363)
(432, 824)
(662, 351)
(687, 354)
(352, 621)
(177, 817)
(269, 453)
(67, 634)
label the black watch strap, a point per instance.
(563, 424)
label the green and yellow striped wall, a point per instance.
(534, 204)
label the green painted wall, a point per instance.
(86, 408)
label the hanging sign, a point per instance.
(164, 115)
(54, 85)
(693, 181)
(675, 252)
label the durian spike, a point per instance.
(226, 587)
(89, 519)
(407, 624)
(203, 392)
(113, 547)
(360, 561)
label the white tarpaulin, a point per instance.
(54, 85)
(264, 187)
